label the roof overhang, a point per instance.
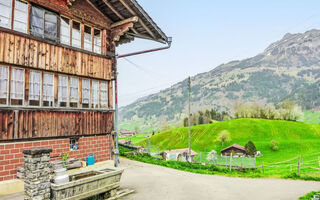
(122, 13)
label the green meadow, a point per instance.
(294, 138)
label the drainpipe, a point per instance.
(116, 151)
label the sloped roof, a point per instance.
(118, 10)
(186, 150)
(235, 146)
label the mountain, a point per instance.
(288, 68)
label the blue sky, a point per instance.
(207, 33)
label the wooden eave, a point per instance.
(119, 10)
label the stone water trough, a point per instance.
(87, 184)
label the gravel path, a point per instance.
(155, 182)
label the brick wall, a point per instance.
(11, 155)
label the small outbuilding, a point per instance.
(179, 155)
(235, 149)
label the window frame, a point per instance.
(23, 90)
(8, 89)
(10, 18)
(106, 105)
(82, 93)
(91, 38)
(72, 38)
(92, 96)
(42, 89)
(14, 18)
(70, 92)
(94, 40)
(43, 35)
(69, 29)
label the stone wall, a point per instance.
(37, 173)
(11, 156)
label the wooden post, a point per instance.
(299, 165)
(231, 161)
(242, 163)
(262, 167)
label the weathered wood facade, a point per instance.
(29, 124)
(57, 71)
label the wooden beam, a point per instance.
(125, 21)
(140, 21)
(117, 13)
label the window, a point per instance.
(104, 94)
(63, 91)
(87, 38)
(4, 78)
(20, 17)
(65, 30)
(74, 85)
(76, 34)
(95, 94)
(97, 41)
(5, 14)
(44, 23)
(34, 91)
(48, 90)
(85, 93)
(17, 86)
(74, 143)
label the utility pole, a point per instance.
(189, 91)
(116, 151)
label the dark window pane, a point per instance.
(37, 21)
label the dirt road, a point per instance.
(155, 182)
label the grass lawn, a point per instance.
(295, 138)
(309, 196)
(311, 117)
(135, 139)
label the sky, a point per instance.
(207, 33)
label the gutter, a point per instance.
(169, 41)
(116, 150)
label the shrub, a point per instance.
(274, 145)
(251, 148)
(224, 136)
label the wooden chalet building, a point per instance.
(57, 73)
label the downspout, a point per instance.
(116, 151)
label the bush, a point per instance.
(251, 148)
(274, 145)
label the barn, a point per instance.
(58, 74)
(235, 149)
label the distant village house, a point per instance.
(179, 155)
(235, 149)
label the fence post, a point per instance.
(262, 166)
(230, 161)
(241, 162)
(299, 165)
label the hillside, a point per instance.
(294, 138)
(288, 68)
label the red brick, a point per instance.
(4, 173)
(4, 162)
(13, 151)
(29, 144)
(8, 157)
(9, 146)
(36, 144)
(44, 143)
(14, 161)
(4, 152)
(18, 155)
(8, 167)
(2, 146)
(13, 172)
(19, 145)
(8, 177)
